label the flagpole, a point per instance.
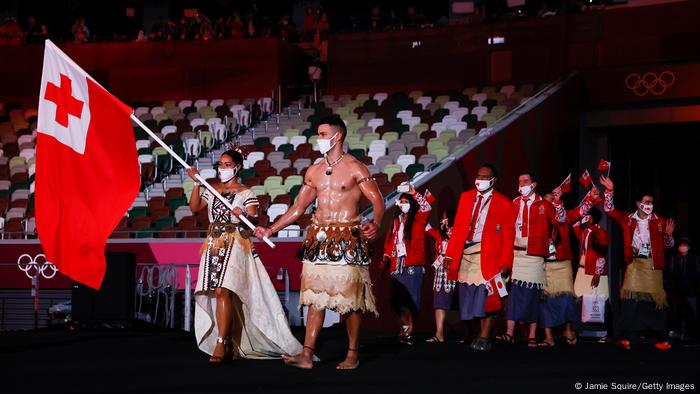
(564, 181)
(199, 177)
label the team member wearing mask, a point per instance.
(481, 250)
(404, 252)
(645, 235)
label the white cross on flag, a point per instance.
(87, 172)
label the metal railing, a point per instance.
(157, 291)
(160, 298)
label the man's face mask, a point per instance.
(526, 190)
(324, 146)
(647, 208)
(483, 184)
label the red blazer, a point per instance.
(497, 238)
(415, 248)
(657, 232)
(542, 218)
(597, 247)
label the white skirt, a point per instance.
(259, 326)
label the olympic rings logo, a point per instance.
(35, 266)
(650, 83)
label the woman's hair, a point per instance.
(450, 215)
(410, 216)
(235, 155)
(595, 215)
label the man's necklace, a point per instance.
(329, 169)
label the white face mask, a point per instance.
(404, 207)
(226, 174)
(483, 184)
(324, 146)
(648, 209)
(526, 190)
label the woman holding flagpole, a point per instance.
(237, 310)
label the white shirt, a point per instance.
(484, 211)
(519, 222)
(400, 244)
(641, 239)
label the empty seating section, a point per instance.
(398, 136)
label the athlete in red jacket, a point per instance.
(533, 229)
(645, 235)
(404, 249)
(480, 251)
(558, 306)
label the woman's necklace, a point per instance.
(329, 169)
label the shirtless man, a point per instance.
(336, 253)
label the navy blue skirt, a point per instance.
(472, 301)
(405, 290)
(557, 310)
(523, 304)
(443, 299)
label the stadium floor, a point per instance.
(148, 360)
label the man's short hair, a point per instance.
(530, 174)
(494, 170)
(335, 121)
(642, 194)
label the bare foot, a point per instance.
(301, 360)
(352, 360)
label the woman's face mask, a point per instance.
(404, 206)
(226, 174)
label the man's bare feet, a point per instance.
(303, 360)
(352, 360)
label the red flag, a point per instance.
(586, 180)
(603, 165)
(566, 185)
(87, 172)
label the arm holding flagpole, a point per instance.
(199, 177)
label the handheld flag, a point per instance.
(586, 179)
(87, 172)
(566, 185)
